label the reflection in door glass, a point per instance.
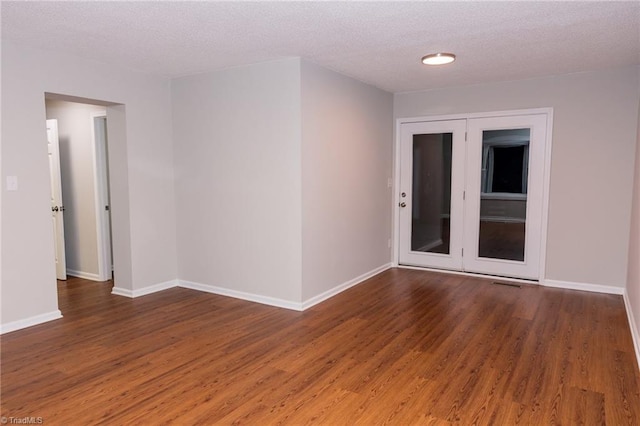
(503, 195)
(431, 193)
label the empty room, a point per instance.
(329, 213)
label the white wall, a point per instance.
(347, 149)
(78, 183)
(141, 161)
(633, 276)
(594, 137)
(237, 156)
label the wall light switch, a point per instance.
(12, 183)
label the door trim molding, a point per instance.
(546, 185)
(548, 111)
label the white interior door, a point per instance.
(431, 191)
(472, 194)
(504, 195)
(57, 207)
(103, 204)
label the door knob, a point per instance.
(54, 209)
(403, 204)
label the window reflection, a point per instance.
(503, 200)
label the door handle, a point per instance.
(403, 204)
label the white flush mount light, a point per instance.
(438, 58)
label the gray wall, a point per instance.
(594, 138)
(78, 183)
(281, 179)
(347, 148)
(237, 159)
(141, 161)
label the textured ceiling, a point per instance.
(380, 43)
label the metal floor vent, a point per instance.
(507, 284)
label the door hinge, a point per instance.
(465, 136)
(464, 195)
(462, 253)
(106, 208)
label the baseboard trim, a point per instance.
(344, 286)
(567, 285)
(250, 297)
(29, 322)
(571, 285)
(119, 291)
(635, 335)
(83, 275)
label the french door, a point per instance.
(471, 194)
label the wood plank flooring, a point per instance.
(406, 347)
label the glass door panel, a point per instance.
(432, 168)
(503, 193)
(431, 193)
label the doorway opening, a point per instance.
(77, 137)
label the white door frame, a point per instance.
(101, 191)
(545, 184)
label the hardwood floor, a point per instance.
(406, 347)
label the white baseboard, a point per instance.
(84, 275)
(568, 285)
(342, 287)
(571, 285)
(635, 335)
(31, 321)
(281, 303)
(119, 291)
(251, 297)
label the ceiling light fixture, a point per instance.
(438, 58)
